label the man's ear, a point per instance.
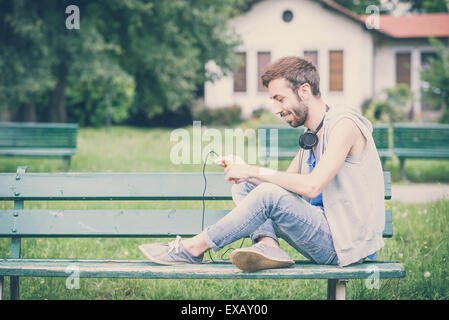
(304, 91)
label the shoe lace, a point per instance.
(174, 245)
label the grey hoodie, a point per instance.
(354, 201)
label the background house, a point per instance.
(356, 59)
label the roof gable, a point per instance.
(398, 27)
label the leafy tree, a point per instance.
(437, 76)
(165, 46)
(244, 6)
(418, 6)
(39, 57)
(24, 62)
(151, 52)
(360, 6)
(90, 100)
(428, 6)
(391, 105)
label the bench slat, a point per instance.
(114, 223)
(388, 230)
(52, 125)
(221, 270)
(287, 141)
(422, 153)
(421, 140)
(132, 186)
(387, 184)
(113, 186)
(105, 223)
(37, 152)
(37, 135)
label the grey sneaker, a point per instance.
(170, 253)
(260, 256)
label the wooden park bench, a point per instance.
(30, 139)
(420, 141)
(20, 222)
(288, 145)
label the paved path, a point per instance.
(420, 192)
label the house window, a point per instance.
(311, 56)
(403, 68)
(263, 60)
(336, 71)
(240, 74)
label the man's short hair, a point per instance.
(296, 71)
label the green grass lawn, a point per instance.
(420, 241)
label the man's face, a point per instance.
(287, 102)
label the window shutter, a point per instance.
(263, 60)
(311, 56)
(403, 68)
(240, 74)
(336, 71)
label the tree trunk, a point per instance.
(27, 112)
(6, 115)
(57, 110)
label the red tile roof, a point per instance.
(414, 25)
(406, 26)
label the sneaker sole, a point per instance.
(159, 261)
(248, 260)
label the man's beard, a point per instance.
(300, 117)
(300, 113)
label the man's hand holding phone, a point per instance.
(225, 161)
(236, 169)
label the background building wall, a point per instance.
(312, 28)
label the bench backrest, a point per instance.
(20, 187)
(287, 139)
(38, 135)
(421, 136)
(381, 136)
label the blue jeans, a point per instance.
(268, 210)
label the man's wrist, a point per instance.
(253, 172)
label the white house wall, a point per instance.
(312, 28)
(385, 62)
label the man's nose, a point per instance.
(277, 108)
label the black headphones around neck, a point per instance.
(309, 139)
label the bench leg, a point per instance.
(1, 287)
(383, 160)
(336, 289)
(66, 163)
(14, 288)
(402, 166)
(16, 252)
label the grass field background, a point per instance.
(420, 240)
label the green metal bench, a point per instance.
(381, 138)
(30, 139)
(420, 141)
(20, 223)
(287, 140)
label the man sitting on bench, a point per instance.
(328, 204)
